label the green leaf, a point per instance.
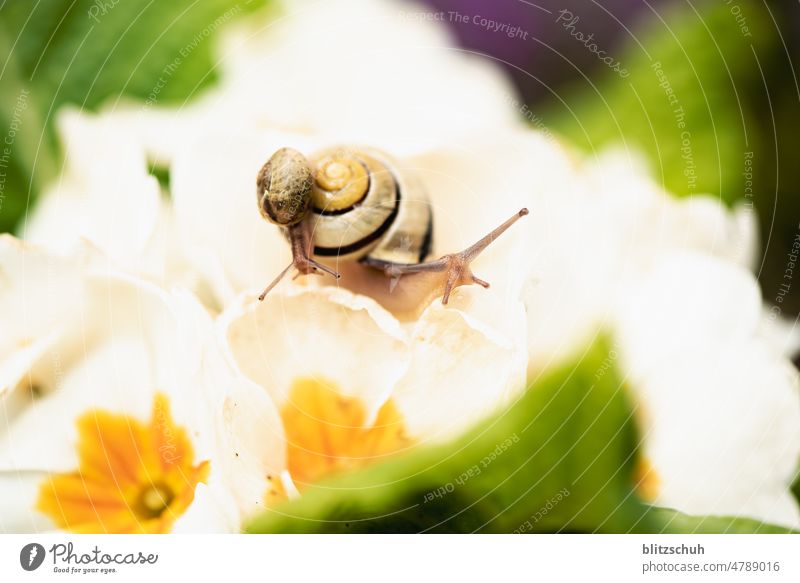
(560, 459)
(676, 522)
(711, 67)
(90, 52)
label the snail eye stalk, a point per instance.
(300, 240)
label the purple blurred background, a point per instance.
(538, 55)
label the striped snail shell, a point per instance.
(362, 205)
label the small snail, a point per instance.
(348, 204)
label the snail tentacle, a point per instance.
(455, 266)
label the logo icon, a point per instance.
(31, 556)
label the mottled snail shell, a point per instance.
(283, 187)
(362, 205)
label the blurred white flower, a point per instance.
(104, 195)
(352, 71)
(668, 278)
(719, 407)
(119, 413)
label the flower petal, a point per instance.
(687, 304)
(213, 183)
(17, 514)
(306, 69)
(463, 367)
(723, 432)
(208, 513)
(104, 195)
(131, 340)
(325, 333)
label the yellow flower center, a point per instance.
(132, 477)
(328, 433)
(153, 500)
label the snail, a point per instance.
(351, 205)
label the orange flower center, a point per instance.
(132, 477)
(328, 433)
(153, 500)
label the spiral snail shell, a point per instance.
(352, 204)
(362, 208)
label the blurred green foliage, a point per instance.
(675, 522)
(561, 459)
(736, 92)
(87, 52)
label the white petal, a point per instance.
(723, 431)
(18, 363)
(336, 69)
(651, 220)
(782, 334)
(596, 231)
(115, 376)
(463, 368)
(214, 193)
(251, 443)
(17, 513)
(306, 71)
(474, 185)
(211, 511)
(34, 288)
(687, 304)
(326, 333)
(104, 195)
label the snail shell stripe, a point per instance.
(391, 221)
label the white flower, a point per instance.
(597, 227)
(353, 385)
(120, 414)
(719, 407)
(354, 71)
(104, 195)
(718, 402)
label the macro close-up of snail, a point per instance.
(346, 211)
(518, 267)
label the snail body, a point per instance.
(351, 206)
